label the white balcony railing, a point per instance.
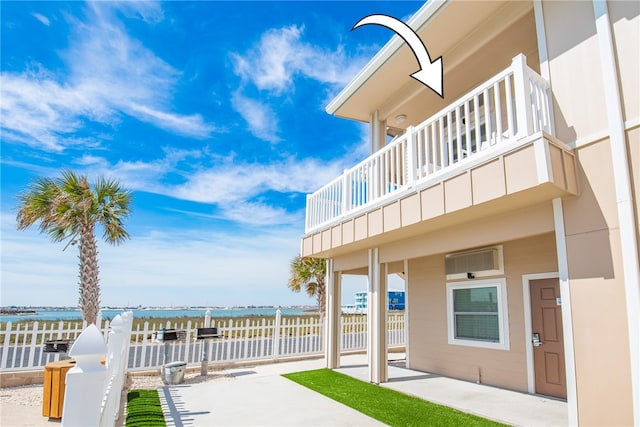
(510, 106)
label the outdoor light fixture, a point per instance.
(400, 118)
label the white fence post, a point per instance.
(346, 194)
(204, 361)
(522, 96)
(411, 167)
(5, 345)
(115, 340)
(85, 381)
(99, 319)
(117, 361)
(128, 327)
(276, 335)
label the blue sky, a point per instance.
(212, 113)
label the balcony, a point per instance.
(499, 119)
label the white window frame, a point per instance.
(503, 314)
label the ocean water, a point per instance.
(45, 314)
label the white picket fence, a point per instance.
(257, 338)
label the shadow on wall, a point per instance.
(588, 236)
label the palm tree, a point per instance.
(309, 274)
(69, 209)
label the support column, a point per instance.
(332, 317)
(624, 194)
(407, 352)
(567, 319)
(377, 319)
(378, 132)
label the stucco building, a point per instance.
(510, 206)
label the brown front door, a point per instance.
(548, 347)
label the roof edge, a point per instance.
(426, 11)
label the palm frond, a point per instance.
(309, 274)
(68, 208)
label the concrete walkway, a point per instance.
(505, 406)
(260, 396)
(257, 396)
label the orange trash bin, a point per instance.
(55, 374)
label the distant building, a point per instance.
(395, 300)
(361, 300)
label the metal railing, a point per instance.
(508, 107)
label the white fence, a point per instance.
(93, 390)
(508, 107)
(23, 343)
(248, 339)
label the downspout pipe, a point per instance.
(624, 197)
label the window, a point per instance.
(477, 314)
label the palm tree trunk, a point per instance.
(322, 299)
(89, 283)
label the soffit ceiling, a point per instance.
(455, 32)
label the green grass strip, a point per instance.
(383, 404)
(143, 409)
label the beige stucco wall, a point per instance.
(600, 334)
(429, 348)
(576, 76)
(513, 225)
(625, 20)
(597, 292)
(633, 140)
(576, 69)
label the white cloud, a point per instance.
(281, 54)
(241, 192)
(136, 175)
(111, 74)
(274, 62)
(188, 125)
(148, 11)
(38, 111)
(174, 267)
(43, 19)
(242, 181)
(237, 188)
(161, 268)
(262, 121)
(258, 214)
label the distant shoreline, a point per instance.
(37, 314)
(16, 311)
(33, 308)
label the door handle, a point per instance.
(535, 339)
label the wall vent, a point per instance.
(480, 262)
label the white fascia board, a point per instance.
(429, 9)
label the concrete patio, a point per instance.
(259, 396)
